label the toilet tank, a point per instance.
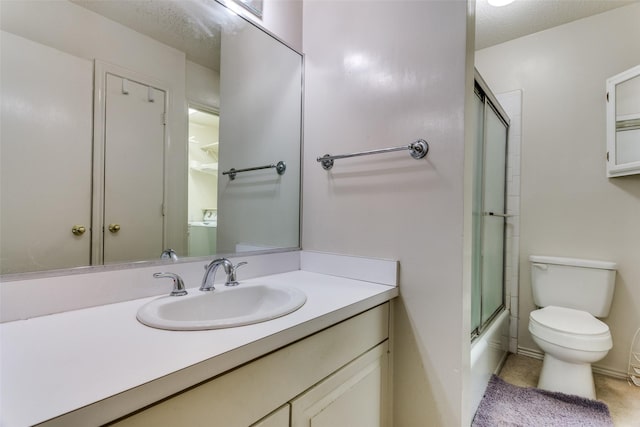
(573, 283)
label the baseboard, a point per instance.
(622, 375)
(613, 373)
(535, 354)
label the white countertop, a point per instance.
(100, 363)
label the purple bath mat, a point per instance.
(505, 404)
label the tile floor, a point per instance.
(622, 398)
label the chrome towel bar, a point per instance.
(280, 167)
(418, 149)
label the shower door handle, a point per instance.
(497, 214)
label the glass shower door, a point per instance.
(488, 215)
(493, 219)
(476, 283)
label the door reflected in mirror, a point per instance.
(110, 125)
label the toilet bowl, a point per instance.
(571, 293)
(572, 340)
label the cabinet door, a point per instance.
(279, 418)
(355, 396)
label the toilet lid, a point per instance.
(569, 320)
(574, 329)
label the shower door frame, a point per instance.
(482, 91)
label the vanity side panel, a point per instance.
(246, 394)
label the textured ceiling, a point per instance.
(522, 17)
(191, 26)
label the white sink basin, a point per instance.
(222, 308)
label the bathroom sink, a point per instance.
(222, 308)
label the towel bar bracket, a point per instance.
(419, 149)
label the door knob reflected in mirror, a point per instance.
(114, 228)
(78, 230)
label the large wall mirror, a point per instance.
(121, 120)
(623, 123)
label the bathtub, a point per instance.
(488, 353)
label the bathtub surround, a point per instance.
(511, 102)
(568, 206)
(488, 354)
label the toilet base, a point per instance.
(568, 378)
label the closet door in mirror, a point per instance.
(45, 152)
(133, 170)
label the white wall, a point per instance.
(203, 86)
(284, 19)
(382, 74)
(568, 206)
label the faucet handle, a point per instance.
(232, 281)
(238, 265)
(178, 283)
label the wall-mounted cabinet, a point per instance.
(623, 123)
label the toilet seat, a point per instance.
(569, 328)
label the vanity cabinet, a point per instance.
(355, 396)
(336, 377)
(280, 418)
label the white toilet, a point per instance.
(572, 293)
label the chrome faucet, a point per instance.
(210, 273)
(169, 254)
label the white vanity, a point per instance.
(97, 365)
